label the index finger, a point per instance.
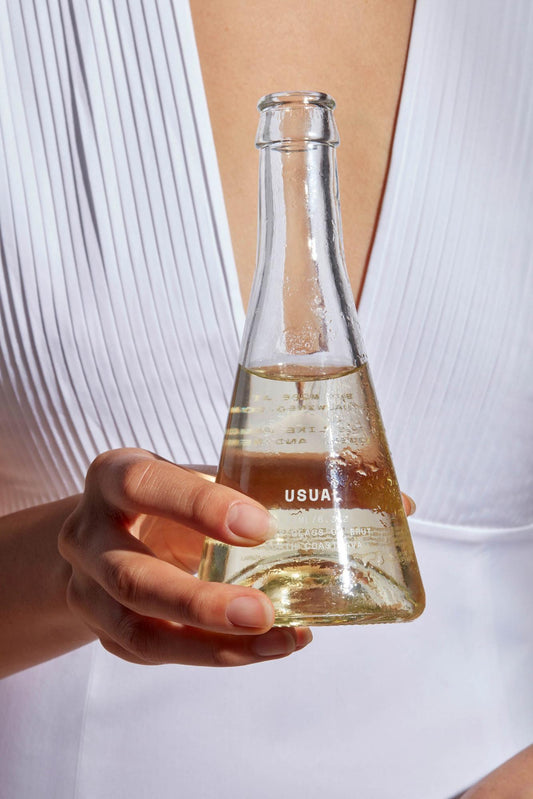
(136, 481)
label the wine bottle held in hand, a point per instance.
(304, 435)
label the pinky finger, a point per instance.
(150, 641)
(170, 643)
(192, 646)
(115, 649)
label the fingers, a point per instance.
(136, 482)
(143, 640)
(149, 611)
(191, 647)
(146, 609)
(129, 572)
(408, 504)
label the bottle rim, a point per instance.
(296, 97)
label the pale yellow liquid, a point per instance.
(311, 448)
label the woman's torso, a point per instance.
(358, 54)
(122, 312)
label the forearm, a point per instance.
(512, 780)
(35, 622)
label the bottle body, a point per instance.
(304, 435)
(311, 449)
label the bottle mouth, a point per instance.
(296, 98)
(296, 120)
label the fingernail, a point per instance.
(249, 521)
(304, 636)
(412, 505)
(279, 641)
(246, 611)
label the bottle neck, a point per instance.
(299, 236)
(301, 309)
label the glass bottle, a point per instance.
(304, 435)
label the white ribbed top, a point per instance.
(120, 317)
(120, 304)
(119, 297)
(446, 308)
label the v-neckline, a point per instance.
(232, 266)
(387, 181)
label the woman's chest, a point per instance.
(354, 51)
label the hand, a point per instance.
(134, 541)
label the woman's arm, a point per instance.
(512, 780)
(128, 546)
(35, 622)
(117, 563)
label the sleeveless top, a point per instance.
(120, 322)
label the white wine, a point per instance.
(309, 445)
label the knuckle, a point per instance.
(67, 536)
(99, 468)
(123, 581)
(224, 657)
(71, 535)
(119, 472)
(137, 636)
(73, 596)
(193, 608)
(220, 657)
(111, 646)
(203, 498)
(134, 477)
(118, 651)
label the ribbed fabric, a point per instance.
(446, 307)
(120, 314)
(121, 311)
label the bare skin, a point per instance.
(129, 544)
(356, 52)
(128, 541)
(359, 52)
(512, 780)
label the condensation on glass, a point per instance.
(304, 434)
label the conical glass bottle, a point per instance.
(304, 435)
